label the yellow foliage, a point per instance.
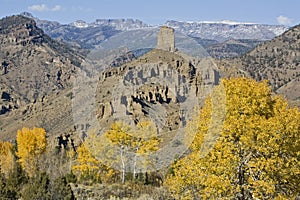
(256, 153)
(141, 139)
(87, 165)
(89, 168)
(145, 139)
(31, 144)
(7, 160)
(132, 144)
(120, 134)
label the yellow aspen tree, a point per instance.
(133, 142)
(120, 135)
(97, 146)
(256, 155)
(7, 159)
(88, 166)
(31, 144)
(145, 142)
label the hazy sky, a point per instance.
(159, 11)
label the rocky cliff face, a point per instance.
(121, 24)
(39, 65)
(33, 67)
(166, 39)
(155, 86)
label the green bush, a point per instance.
(37, 188)
(61, 190)
(11, 186)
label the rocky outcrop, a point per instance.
(155, 85)
(105, 110)
(33, 68)
(166, 39)
(8, 102)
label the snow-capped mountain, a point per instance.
(206, 33)
(121, 24)
(225, 30)
(118, 24)
(80, 24)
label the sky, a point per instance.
(157, 12)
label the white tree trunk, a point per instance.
(123, 165)
(134, 164)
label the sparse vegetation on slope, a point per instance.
(33, 69)
(278, 61)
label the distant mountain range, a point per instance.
(220, 39)
(225, 30)
(220, 31)
(37, 71)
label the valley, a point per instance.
(129, 110)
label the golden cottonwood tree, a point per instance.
(257, 153)
(135, 141)
(120, 135)
(7, 159)
(87, 166)
(145, 142)
(31, 144)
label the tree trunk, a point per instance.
(123, 165)
(134, 164)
